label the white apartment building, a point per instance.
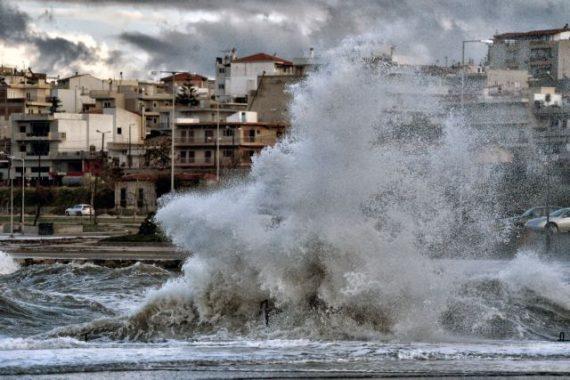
(244, 72)
(62, 146)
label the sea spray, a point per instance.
(7, 264)
(342, 216)
(336, 228)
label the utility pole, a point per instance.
(11, 200)
(487, 42)
(94, 188)
(548, 232)
(130, 157)
(23, 193)
(172, 121)
(218, 143)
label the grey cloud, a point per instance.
(424, 31)
(59, 52)
(55, 53)
(13, 23)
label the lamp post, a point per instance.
(172, 121)
(487, 42)
(130, 157)
(218, 143)
(12, 158)
(23, 190)
(93, 213)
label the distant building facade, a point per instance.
(241, 137)
(544, 54)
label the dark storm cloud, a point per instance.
(53, 52)
(13, 23)
(422, 31)
(58, 52)
(425, 31)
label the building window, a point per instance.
(251, 135)
(221, 86)
(208, 156)
(39, 148)
(23, 148)
(228, 132)
(123, 197)
(106, 104)
(119, 131)
(140, 198)
(22, 129)
(39, 129)
(222, 70)
(208, 135)
(183, 155)
(228, 153)
(191, 156)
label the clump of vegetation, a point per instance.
(148, 233)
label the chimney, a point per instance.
(233, 55)
(311, 52)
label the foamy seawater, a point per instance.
(27, 347)
(354, 248)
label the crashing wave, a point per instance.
(336, 228)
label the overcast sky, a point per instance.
(106, 37)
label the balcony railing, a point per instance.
(31, 137)
(225, 140)
(207, 161)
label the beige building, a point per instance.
(136, 193)
(544, 54)
(23, 92)
(240, 137)
(272, 99)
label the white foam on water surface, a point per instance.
(7, 264)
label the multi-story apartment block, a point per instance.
(240, 137)
(23, 92)
(237, 77)
(545, 54)
(202, 85)
(62, 147)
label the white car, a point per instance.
(81, 209)
(559, 221)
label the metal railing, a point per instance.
(33, 137)
(225, 140)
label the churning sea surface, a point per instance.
(36, 300)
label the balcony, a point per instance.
(206, 162)
(225, 141)
(52, 136)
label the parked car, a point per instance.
(81, 209)
(559, 221)
(531, 213)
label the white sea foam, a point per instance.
(7, 264)
(343, 215)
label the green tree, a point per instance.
(55, 104)
(187, 95)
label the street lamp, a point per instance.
(12, 193)
(218, 143)
(486, 42)
(172, 122)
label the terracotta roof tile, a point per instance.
(262, 57)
